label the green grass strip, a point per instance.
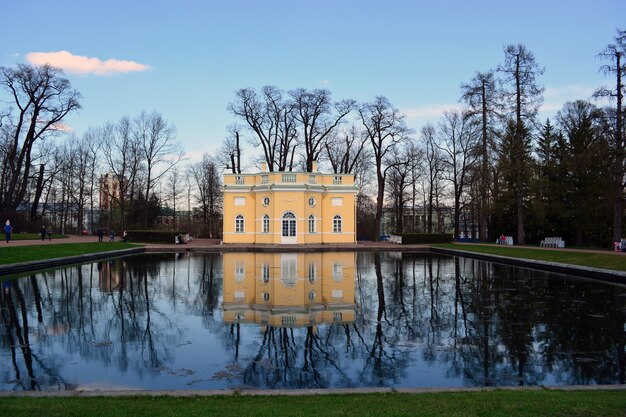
(596, 260)
(17, 254)
(487, 403)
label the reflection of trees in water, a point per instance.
(100, 312)
(489, 324)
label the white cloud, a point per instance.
(556, 97)
(61, 127)
(324, 83)
(77, 64)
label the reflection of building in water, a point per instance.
(110, 275)
(289, 289)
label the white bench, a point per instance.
(395, 239)
(508, 240)
(552, 242)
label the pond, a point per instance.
(307, 320)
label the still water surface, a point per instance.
(210, 321)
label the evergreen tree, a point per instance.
(515, 166)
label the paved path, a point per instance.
(207, 243)
(197, 243)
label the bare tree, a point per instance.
(229, 154)
(458, 142)
(524, 95)
(122, 157)
(157, 139)
(78, 192)
(344, 150)
(433, 170)
(271, 118)
(614, 53)
(401, 162)
(93, 141)
(481, 96)
(385, 128)
(41, 98)
(318, 117)
(47, 159)
(208, 181)
(175, 190)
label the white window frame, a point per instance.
(239, 179)
(240, 224)
(337, 271)
(311, 224)
(312, 272)
(289, 224)
(266, 223)
(337, 180)
(265, 272)
(337, 224)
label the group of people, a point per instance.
(45, 231)
(101, 233)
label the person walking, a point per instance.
(43, 233)
(112, 236)
(8, 230)
(124, 236)
(49, 229)
(100, 233)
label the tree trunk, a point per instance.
(379, 205)
(482, 231)
(619, 158)
(38, 192)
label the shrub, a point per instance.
(157, 236)
(416, 238)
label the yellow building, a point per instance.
(289, 208)
(289, 289)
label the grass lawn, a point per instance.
(33, 236)
(596, 260)
(488, 403)
(16, 254)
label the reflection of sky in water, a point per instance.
(196, 321)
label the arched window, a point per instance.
(311, 224)
(289, 224)
(337, 224)
(239, 224)
(266, 223)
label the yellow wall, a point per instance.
(289, 295)
(284, 196)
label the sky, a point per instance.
(185, 59)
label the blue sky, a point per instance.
(185, 59)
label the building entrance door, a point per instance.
(288, 229)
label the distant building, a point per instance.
(109, 190)
(289, 208)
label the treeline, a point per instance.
(59, 182)
(486, 168)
